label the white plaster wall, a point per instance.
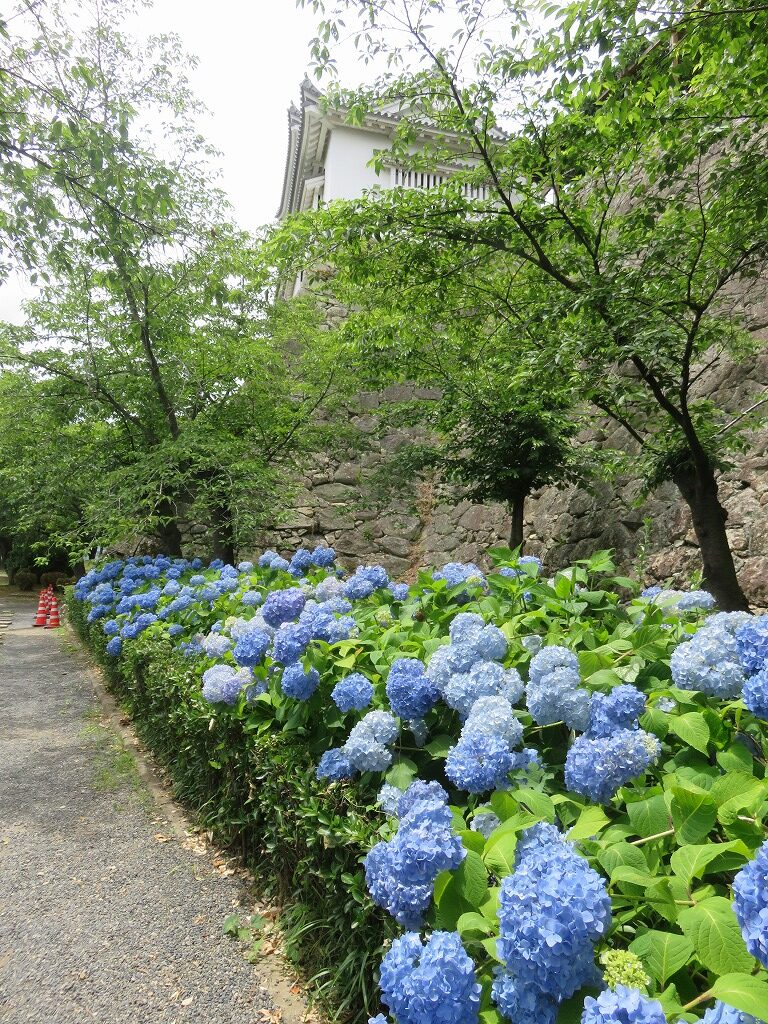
(346, 170)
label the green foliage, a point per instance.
(667, 844)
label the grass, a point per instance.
(115, 768)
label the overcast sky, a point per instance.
(252, 57)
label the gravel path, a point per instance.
(99, 920)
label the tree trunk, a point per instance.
(223, 537)
(516, 508)
(168, 533)
(698, 487)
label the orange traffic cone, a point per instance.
(53, 615)
(42, 609)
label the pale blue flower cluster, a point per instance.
(290, 642)
(251, 598)
(752, 644)
(479, 763)
(484, 822)
(722, 1014)
(251, 646)
(711, 661)
(493, 716)
(619, 709)
(755, 693)
(334, 765)
(366, 747)
(328, 620)
(410, 691)
(298, 682)
(283, 606)
(595, 767)
(455, 573)
(114, 646)
(553, 693)
(388, 799)
(524, 564)
(222, 683)
(750, 904)
(399, 591)
(215, 645)
(430, 983)
(680, 600)
(352, 692)
(552, 911)
(401, 873)
(622, 1006)
(365, 580)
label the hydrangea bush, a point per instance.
(557, 791)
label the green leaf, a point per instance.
(539, 803)
(471, 879)
(499, 856)
(743, 992)
(439, 746)
(693, 814)
(622, 854)
(649, 817)
(662, 953)
(692, 729)
(591, 821)
(401, 774)
(690, 862)
(473, 924)
(472, 840)
(714, 931)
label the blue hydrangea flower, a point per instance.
(175, 629)
(486, 641)
(532, 643)
(750, 904)
(752, 644)
(290, 642)
(622, 1006)
(552, 911)
(114, 646)
(300, 562)
(222, 683)
(352, 692)
(551, 658)
(334, 765)
(479, 763)
(484, 679)
(557, 697)
(266, 559)
(197, 581)
(521, 1003)
(485, 822)
(171, 588)
(493, 716)
(455, 573)
(328, 589)
(410, 691)
(111, 627)
(298, 683)
(280, 564)
(244, 566)
(696, 600)
(433, 983)
(399, 591)
(722, 1014)
(711, 661)
(283, 606)
(366, 746)
(251, 647)
(388, 798)
(619, 709)
(366, 580)
(323, 557)
(251, 598)
(755, 693)
(215, 645)
(400, 873)
(597, 767)
(448, 661)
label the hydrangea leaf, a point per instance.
(744, 992)
(471, 879)
(649, 817)
(714, 931)
(693, 813)
(538, 803)
(689, 862)
(473, 924)
(401, 774)
(472, 840)
(499, 856)
(622, 853)
(439, 746)
(662, 953)
(692, 729)
(736, 757)
(592, 820)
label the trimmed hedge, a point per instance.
(256, 790)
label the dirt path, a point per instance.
(106, 913)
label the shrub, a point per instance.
(25, 579)
(559, 792)
(56, 577)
